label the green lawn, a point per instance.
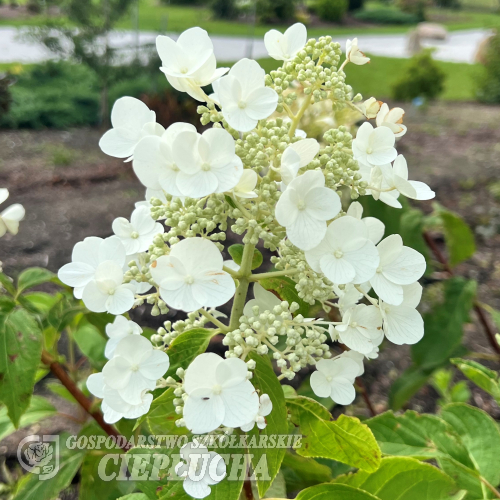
(155, 16)
(377, 78)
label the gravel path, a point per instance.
(460, 46)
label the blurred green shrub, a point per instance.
(421, 78)
(272, 11)
(331, 10)
(414, 7)
(224, 9)
(489, 85)
(355, 5)
(386, 15)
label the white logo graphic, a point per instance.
(39, 455)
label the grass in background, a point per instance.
(378, 78)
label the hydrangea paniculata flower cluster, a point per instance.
(250, 168)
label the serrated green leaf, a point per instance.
(285, 288)
(186, 347)
(265, 380)
(402, 479)
(483, 377)
(20, 352)
(236, 252)
(334, 492)
(6, 282)
(42, 301)
(31, 488)
(480, 435)
(301, 472)
(33, 277)
(92, 344)
(346, 440)
(459, 237)
(161, 416)
(39, 409)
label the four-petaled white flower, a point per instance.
(189, 63)
(353, 54)
(134, 368)
(191, 277)
(265, 408)
(304, 207)
(11, 216)
(374, 146)
(219, 393)
(132, 120)
(361, 326)
(334, 378)
(356, 357)
(375, 227)
(118, 330)
(285, 46)
(263, 299)
(154, 163)
(113, 406)
(246, 185)
(399, 265)
(391, 118)
(200, 469)
(207, 162)
(296, 156)
(243, 95)
(403, 324)
(138, 234)
(395, 177)
(346, 254)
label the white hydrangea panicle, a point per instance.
(391, 118)
(399, 265)
(189, 62)
(403, 324)
(285, 46)
(154, 163)
(374, 146)
(361, 326)
(132, 120)
(353, 54)
(218, 393)
(243, 95)
(11, 216)
(304, 207)
(375, 227)
(296, 156)
(135, 367)
(265, 408)
(200, 469)
(138, 234)
(118, 330)
(113, 407)
(346, 254)
(191, 276)
(334, 378)
(263, 299)
(207, 163)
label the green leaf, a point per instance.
(20, 352)
(33, 277)
(411, 230)
(303, 472)
(61, 391)
(285, 288)
(161, 416)
(334, 492)
(480, 435)
(92, 344)
(407, 385)
(483, 377)
(31, 488)
(458, 235)
(42, 301)
(236, 252)
(134, 496)
(346, 440)
(402, 479)
(186, 347)
(6, 282)
(39, 409)
(265, 380)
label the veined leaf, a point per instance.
(161, 416)
(402, 479)
(301, 472)
(334, 491)
(92, 344)
(483, 377)
(285, 288)
(346, 440)
(236, 252)
(20, 352)
(33, 277)
(265, 380)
